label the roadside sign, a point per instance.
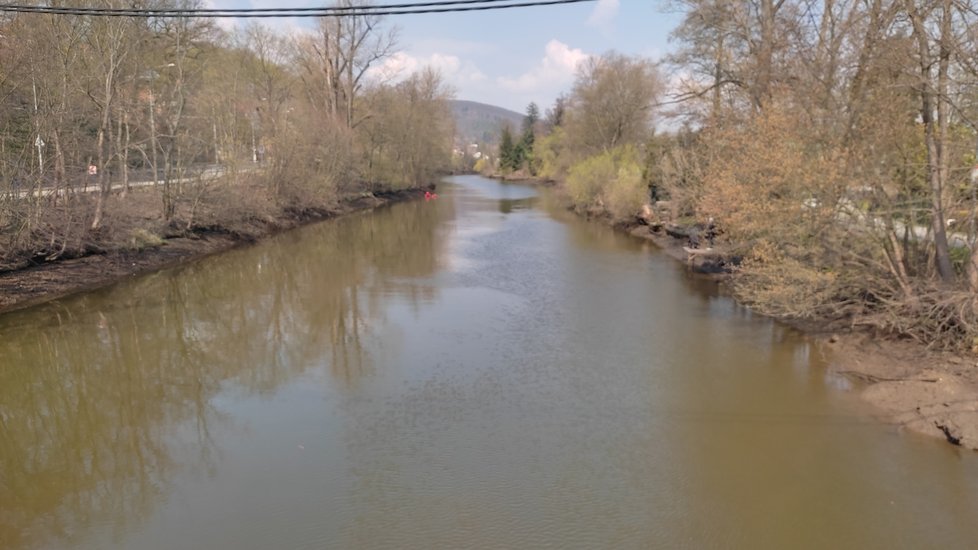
(92, 170)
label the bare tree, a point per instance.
(110, 41)
(337, 59)
(407, 140)
(933, 89)
(612, 102)
(182, 42)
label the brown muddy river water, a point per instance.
(479, 371)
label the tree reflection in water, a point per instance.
(99, 392)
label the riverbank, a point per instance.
(912, 387)
(150, 247)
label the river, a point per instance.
(483, 370)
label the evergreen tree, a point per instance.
(524, 154)
(507, 150)
(529, 124)
(531, 119)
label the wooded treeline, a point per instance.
(831, 141)
(281, 121)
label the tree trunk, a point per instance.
(120, 151)
(104, 184)
(59, 165)
(765, 55)
(933, 95)
(717, 80)
(103, 190)
(867, 51)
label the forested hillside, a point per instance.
(481, 123)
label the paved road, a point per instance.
(207, 173)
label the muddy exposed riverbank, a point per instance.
(36, 284)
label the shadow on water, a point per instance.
(508, 206)
(94, 389)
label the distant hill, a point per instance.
(477, 122)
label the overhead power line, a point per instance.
(361, 7)
(447, 6)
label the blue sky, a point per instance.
(512, 57)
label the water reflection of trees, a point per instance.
(508, 206)
(97, 392)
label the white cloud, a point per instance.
(284, 25)
(454, 70)
(556, 69)
(604, 14)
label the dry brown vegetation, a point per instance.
(834, 153)
(227, 129)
